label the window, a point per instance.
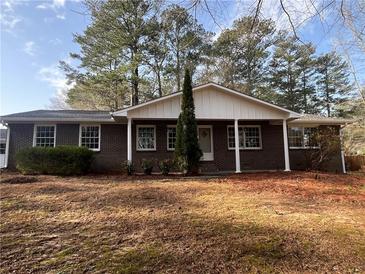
(302, 137)
(90, 136)
(249, 137)
(171, 137)
(2, 148)
(146, 139)
(44, 136)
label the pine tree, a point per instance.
(306, 83)
(186, 41)
(285, 73)
(241, 53)
(188, 152)
(332, 81)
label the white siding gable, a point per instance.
(210, 103)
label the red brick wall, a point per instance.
(114, 147)
(271, 156)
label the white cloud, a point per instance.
(56, 6)
(300, 12)
(55, 77)
(58, 3)
(41, 7)
(8, 18)
(55, 41)
(61, 16)
(29, 48)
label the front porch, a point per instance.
(227, 145)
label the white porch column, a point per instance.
(129, 140)
(237, 146)
(286, 148)
(7, 146)
(342, 152)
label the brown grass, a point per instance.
(255, 223)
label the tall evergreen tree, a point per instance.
(186, 40)
(332, 81)
(188, 151)
(242, 53)
(112, 47)
(306, 82)
(284, 72)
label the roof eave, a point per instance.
(321, 122)
(42, 119)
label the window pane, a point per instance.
(231, 138)
(171, 137)
(295, 135)
(146, 138)
(309, 138)
(252, 137)
(90, 137)
(45, 136)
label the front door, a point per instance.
(205, 136)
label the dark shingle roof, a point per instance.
(311, 118)
(59, 115)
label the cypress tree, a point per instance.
(187, 150)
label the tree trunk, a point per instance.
(327, 96)
(159, 83)
(178, 69)
(135, 93)
(135, 97)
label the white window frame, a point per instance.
(167, 137)
(80, 135)
(302, 129)
(244, 137)
(44, 125)
(154, 139)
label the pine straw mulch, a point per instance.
(297, 222)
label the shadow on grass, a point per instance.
(173, 237)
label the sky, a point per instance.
(36, 35)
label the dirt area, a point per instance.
(297, 222)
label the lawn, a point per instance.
(297, 222)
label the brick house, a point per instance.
(269, 137)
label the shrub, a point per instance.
(147, 166)
(165, 166)
(128, 167)
(61, 160)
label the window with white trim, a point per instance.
(171, 137)
(249, 137)
(44, 136)
(90, 136)
(302, 137)
(146, 137)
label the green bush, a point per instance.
(147, 166)
(165, 166)
(60, 160)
